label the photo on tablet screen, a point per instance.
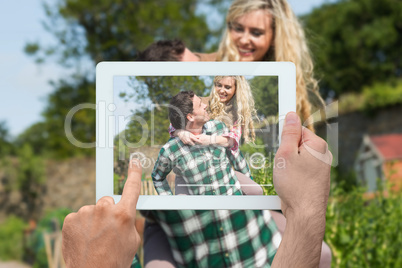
(227, 158)
(206, 133)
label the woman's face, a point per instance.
(252, 35)
(226, 88)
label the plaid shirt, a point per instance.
(207, 169)
(219, 238)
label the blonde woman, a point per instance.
(231, 102)
(268, 30)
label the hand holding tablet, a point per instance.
(304, 173)
(303, 186)
(111, 75)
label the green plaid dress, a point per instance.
(219, 238)
(206, 169)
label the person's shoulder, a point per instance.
(214, 125)
(206, 56)
(213, 122)
(172, 144)
(218, 122)
(174, 141)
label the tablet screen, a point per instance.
(142, 130)
(239, 110)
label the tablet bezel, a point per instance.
(106, 71)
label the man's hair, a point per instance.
(180, 106)
(164, 50)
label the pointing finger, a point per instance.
(132, 187)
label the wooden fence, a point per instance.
(147, 187)
(53, 249)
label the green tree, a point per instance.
(68, 95)
(95, 31)
(159, 90)
(356, 43)
(265, 93)
(37, 136)
(5, 143)
(50, 136)
(30, 180)
(117, 30)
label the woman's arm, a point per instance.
(231, 139)
(185, 136)
(224, 141)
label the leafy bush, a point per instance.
(347, 180)
(382, 95)
(117, 184)
(11, 238)
(52, 221)
(264, 176)
(374, 97)
(362, 232)
(30, 179)
(260, 163)
(351, 102)
(250, 148)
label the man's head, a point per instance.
(186, 108)
(164, 50)
(167, 50)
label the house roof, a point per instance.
(389, 146)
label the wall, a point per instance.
(69, 184)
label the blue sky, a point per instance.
(24, 85)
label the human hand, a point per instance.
(302, 171)
(104, 235)
(185, 136)
(205, 140)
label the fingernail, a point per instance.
(291, 118)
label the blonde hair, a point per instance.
(243, 107)
(289, 44)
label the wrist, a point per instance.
(302, 240)
(310, 223)
(222, 141)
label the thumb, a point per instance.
(291, 134)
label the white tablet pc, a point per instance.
(132, 100)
